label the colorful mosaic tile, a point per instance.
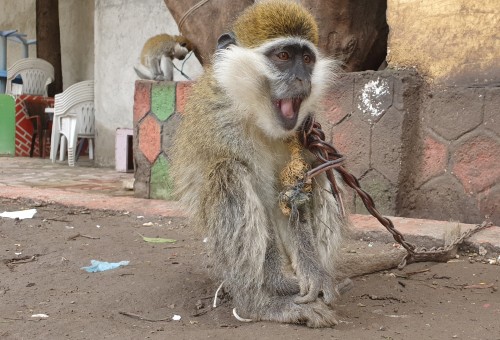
(150, 138)
(142, 99)
(163, 100)
(161, 183)
(183, 91)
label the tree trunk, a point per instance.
(205, 24)
(353, 31)
(48, 45)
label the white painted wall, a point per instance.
(18, 15)
(77, 40)
(77, 35)
(121, 28)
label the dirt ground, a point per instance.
(41, 273)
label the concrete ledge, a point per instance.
(426, 233)
(421, 232)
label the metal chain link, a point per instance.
(312, 137)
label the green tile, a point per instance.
(161, 184)
(163, 100)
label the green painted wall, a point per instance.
(7, 125)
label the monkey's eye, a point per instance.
(283, 56)
(183, 44)
(307, 58)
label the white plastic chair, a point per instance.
(73, 119)
(36, 73)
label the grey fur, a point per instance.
(226, 168)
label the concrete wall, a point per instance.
(419, 151)
(77, 35)
(449, 41)
(20, 15)
(121, 28)
(77, 40)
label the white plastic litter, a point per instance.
(217, 293)
(239, 318)
(176, 317)
(43, 316)
(21, 214)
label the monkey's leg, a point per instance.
(143, 72)
(153, 66)
(238, 243)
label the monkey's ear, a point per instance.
(225, 40)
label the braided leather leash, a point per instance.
(312, 137)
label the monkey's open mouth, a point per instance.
(288, 111)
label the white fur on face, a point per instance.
(246, 74)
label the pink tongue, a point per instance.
(286, 107)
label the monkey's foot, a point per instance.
(314, 314)
(318, 314)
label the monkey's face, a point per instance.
(276, 85)
(292, 64)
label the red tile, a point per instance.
(150, 138)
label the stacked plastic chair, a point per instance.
(73, 119)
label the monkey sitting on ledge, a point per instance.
(235, 139)
(157, 55)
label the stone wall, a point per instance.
(457, 169)
(420, 151)
(453, 42)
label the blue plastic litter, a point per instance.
(99, 266)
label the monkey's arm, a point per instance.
(313, 278)
(167, 68)
(276, 280)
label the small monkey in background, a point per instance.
(234, 140)
(157, 55)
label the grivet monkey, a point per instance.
(157, 55)
(267, 76)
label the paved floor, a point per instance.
(104, 188)
(42, 173)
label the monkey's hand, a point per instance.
(314, 283)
